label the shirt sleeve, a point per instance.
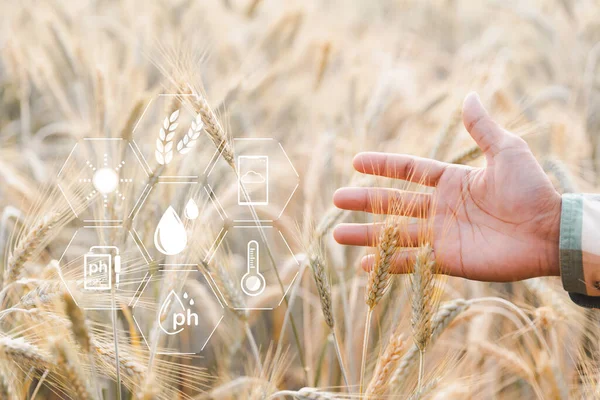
(580, 248)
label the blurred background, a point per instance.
(322, 80)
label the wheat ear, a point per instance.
(423, 302)
(81, 332)
(6, 391)
(379, 279)
(548, 296)
(131, 368)
(308, 393)
(422, 287)
(78, 323)
(446, 313)
(23, 353)
(324, 289)
(27, 246)
(214, 129)
(69, 370)
(379, 276)
(227, 287)
(235, 301)
(508, 359)
(386, 365)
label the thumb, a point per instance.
(486, 133)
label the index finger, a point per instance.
(401, 166)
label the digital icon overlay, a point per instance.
(260, 197)
(100, 175)
(252, 268)
(253, 182)
(106, 180)
(182, 313)
(98, 265)
(175, 315)
(170, 235)
(101, 180)
(191, 210)
(253, 282)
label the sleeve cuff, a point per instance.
(571, 259)
(585, 301)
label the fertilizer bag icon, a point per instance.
(98, 264)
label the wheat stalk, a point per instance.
(5, 388)
(131, 368)
(164, 143)
(78, 323)
(422, 288)
(213, 128)
(548, 296)
(44, 293)
(387, 248)
(231, 293)
(508, 359)
(234, 300)
(446, 313)
(81, 332)
(27, 245)
(424, 300)
(324, 290)
(386, 365)
(23, 353)
(379, 279)
(423, 391)
(306, 393)
(69, 370)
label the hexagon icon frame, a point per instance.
(178, 268)
(218, 247)
(140, 161)
(204, 198)
(91, 291)
(243, 199)
(153, 102)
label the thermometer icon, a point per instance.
(253, 283)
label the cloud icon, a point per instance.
(252, 177)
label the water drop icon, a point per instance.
(170, 237)
(191, 210)
(167, 317)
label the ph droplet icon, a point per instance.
(171, 307)
(191, 210)
(170, 237)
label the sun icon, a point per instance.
(105, 180)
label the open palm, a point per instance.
(498, 223)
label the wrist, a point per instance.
(551, 262)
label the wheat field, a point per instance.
(173, 100)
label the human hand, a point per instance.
(498, 223)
